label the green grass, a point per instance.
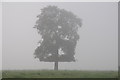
(0, 74)
(58, 74)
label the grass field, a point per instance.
(58, 74)
(0, 74)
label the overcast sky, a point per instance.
(97, 48)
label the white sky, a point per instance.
(0, 40)
(97, 48)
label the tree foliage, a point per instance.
(58, 29)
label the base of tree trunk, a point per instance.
(56, 65)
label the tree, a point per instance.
(58, 29)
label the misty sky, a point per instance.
(97, 48)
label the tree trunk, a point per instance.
(56, 61)
(56, 65)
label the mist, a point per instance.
(97, 48)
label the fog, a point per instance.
(97, 48)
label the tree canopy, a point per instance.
(58, 29)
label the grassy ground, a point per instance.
(58, 74)
(0, 74)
